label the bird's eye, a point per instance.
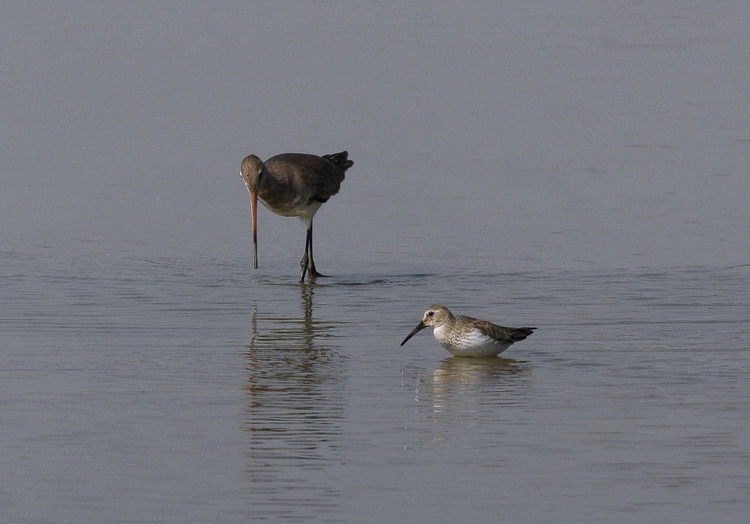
(430, 313)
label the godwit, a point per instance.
(293, 185)
(466, 336)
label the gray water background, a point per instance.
(577, 166)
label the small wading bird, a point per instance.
(293, 185)
(467, 336)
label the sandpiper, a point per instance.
(294, 185)
(467, 336)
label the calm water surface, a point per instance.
(179, 389)
(582, 169)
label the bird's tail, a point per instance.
(520, 334)
(340, 159)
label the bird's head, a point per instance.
(253, 172)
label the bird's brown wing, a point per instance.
(318, 176)
(503, 334)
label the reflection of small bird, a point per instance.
(466, 336)
(293, 185)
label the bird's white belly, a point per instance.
(471, 343)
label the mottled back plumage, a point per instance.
(498, 332)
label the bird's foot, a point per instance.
(312, 274)
(307, 265)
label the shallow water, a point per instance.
(191, 389)
(583, 171)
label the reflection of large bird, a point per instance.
(467, 336)
(294, 185)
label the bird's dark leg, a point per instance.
(305, 258)
(308, 263)
(313, 273)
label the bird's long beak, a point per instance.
(254, 214)
(414, 331)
